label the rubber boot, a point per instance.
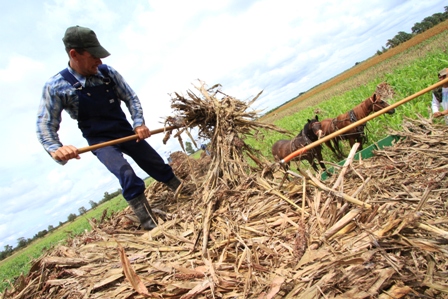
(173, 184)
(142, 210)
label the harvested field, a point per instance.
(376, 229)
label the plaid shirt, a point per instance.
(58, 95)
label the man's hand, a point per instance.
(143, 132)
(66, 153)
(440, 114)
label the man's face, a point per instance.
(86, 64)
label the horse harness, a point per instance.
(359, 129)
(307, 140)
(352, 118)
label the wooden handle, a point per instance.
(121, 140)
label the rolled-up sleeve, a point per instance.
(49, 116)
(49, 119)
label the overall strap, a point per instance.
(75, 83)
(70, 78)
(105, 71)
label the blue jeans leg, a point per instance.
(112, 158)
(148, 160)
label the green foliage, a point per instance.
(93, 204)
(71, 217)
(189, 148)
(108, 196)
(82, 210)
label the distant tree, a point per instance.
(8, 249)
(61, 223)
(403, 36)
(418, 28)
(93, 204)
(440, 17)
(82, 210)
(392, 43)
(6, 252)
(431, 20)
(108, 196)
(21, 242)
(50, 228)
(189, 148)
(71, 217)
(398, 39)
(40, 234)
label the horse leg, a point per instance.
(339, 153)
(310, 157)
(330, 146)
(361, 139)
(352, 141)
(318, 150)
(313, 164)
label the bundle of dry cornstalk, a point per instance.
(376, 228)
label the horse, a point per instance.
(374, 103)
(310, 133)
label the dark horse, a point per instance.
(374, 103)
(310, 133)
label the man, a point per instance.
(440, 97)
(91, 92)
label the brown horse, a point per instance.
(310, 133)
(372, 104)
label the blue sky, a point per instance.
(160, 47)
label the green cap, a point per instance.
(84, 38)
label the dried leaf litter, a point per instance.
(377, 228)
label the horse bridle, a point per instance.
(376, 103)
(312, 129)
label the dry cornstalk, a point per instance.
(259, 243)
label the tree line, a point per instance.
(420, 27)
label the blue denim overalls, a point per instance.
(100, 119)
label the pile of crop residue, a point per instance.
(376, 229)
